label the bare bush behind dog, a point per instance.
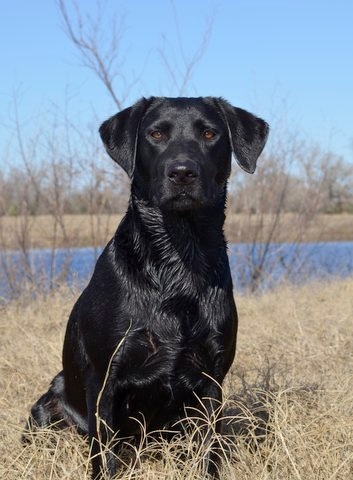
(61, 169)
(296, 181)
(284, 200)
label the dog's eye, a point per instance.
(157, 134)
(208, 134)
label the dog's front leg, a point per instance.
(209, 427)
(100, 404)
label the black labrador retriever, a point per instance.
(154, 332)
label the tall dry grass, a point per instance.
(92, 230)
(293, 369)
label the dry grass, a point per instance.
(291, 227)
(76, 231)
(294, 356)
(86, 230)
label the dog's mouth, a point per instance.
(182, 200)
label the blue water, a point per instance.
(296, 263)
(255, 267)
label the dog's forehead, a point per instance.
(180, 110)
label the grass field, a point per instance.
(85, 230)
(294, 361)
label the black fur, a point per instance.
(162, 289)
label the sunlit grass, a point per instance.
(288, 410)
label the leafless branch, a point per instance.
(181, 73)
(102, 57)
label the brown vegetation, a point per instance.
(242, 228)
(80, 231)
(294, 357)
(23, 233)
(96, 230)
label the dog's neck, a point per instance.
(193, 239)
(202, 226)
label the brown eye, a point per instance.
(208, 134)
(157, 134)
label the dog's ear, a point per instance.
(247, 134)
(119, 134)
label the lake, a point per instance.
(256, 267)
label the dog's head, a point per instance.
(177, 151)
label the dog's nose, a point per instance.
(183, 173)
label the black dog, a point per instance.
(154, 332)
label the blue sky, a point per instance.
(265, 56)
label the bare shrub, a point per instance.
(62, 167)
(282, 202)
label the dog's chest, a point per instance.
(172, 342)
